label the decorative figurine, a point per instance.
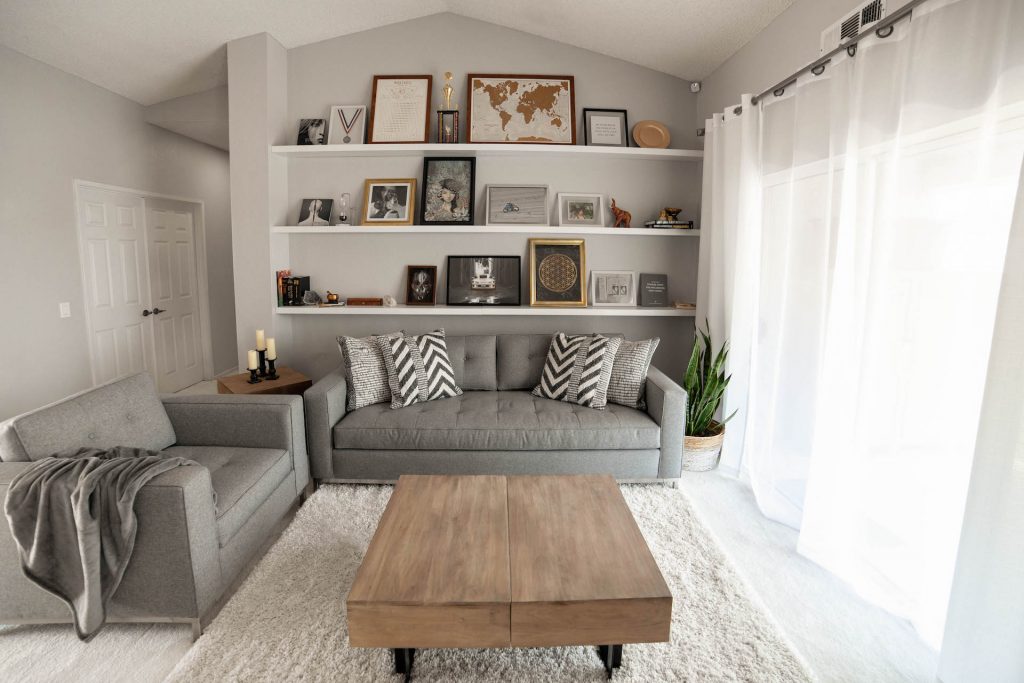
(448, 90)
(332, 298)
(389, 301)
(671, 213)
(448, 118)
(622, 217)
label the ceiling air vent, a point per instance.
(851, 24)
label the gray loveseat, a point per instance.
(496, 426)
(187, 551)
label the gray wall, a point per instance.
(55, 128)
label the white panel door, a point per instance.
(170, 229)
(116, 275)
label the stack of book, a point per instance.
(291, 288)
(679, 225)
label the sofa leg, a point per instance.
(308, 491)
(197, 629)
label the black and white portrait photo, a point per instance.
(389, 202)
(483, 280)
(315, 212)
(613, 288)
(421, 286)
(312, 131)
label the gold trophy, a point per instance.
(448, 118)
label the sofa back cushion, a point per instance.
(521, 360)
(474, 359)
(126, 412)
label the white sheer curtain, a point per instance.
(887, 185)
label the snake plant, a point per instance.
(705, 384)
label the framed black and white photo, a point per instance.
(449, 185)
(401, 109)
(557, 271)
(484, 280)
(315, 212)
(312, 132)
(580, 209)
(389, 201)
(346, 125)
(421, 285)
(605, 128)
(517, 205)
(612, 288)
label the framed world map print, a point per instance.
(521, 109)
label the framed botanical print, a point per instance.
(389, 201)
(516, 205)
(400, 109)
(483, 280)
(346, 125)
(580, 209)
(612, 288)
(421, 286)
(521, 109)
(557, 269)
(449, 186)
(605, 127)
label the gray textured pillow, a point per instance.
(629, 373)
(365, 372)
(578, 369)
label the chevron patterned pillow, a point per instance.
(418, 368)
(578, 369)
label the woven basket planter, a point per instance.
(701, 453)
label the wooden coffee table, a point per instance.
(494, 561)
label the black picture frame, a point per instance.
(464, 188)
(421, 291)
(586, 127)
(459, 290)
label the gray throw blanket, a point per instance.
(72, 518)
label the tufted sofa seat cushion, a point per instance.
(496, 420)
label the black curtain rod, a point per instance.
(883, 29)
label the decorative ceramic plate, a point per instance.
(651, 134)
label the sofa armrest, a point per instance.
(174, 570)
(263, 421)
(325, 406)
(666, 404)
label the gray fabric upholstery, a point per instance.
(257, 529)
(325, 404)
(388, 465)
(496, 421)
(666, 404)
(243, 479)
(520, 360)
(474, 359)
(126, 412)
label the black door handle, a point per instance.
(155, 311)
(146, 312)
(158, 311)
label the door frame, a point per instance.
(202, 281)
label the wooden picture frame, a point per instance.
(462, 270)
(487, 133)
(394, 88)
(557, 273)
(381, 207)
(421, 285)
(448, 191)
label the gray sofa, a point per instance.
(496, 426)
(187, 550)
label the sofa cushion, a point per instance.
(629, 373)
(365, 371)
(474, 359)
(496, 420)
(418, 368)
(520, 360)
(242, 478)
(578, 369)
(126, 412)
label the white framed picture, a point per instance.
(580, 209)
(346, 125)
(613, 287)
(517, 205)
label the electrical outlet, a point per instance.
(65, 309)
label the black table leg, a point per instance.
(404, 657)
(611, 657)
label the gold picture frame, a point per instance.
(558, 273)
(389, 201)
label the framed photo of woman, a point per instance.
(448, 187)
(389, 201)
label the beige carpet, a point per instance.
(287, 621)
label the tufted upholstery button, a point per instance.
(130, 417)
(92, 436)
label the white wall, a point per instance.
(54, 128)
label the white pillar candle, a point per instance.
(271, 349)
(253, 362)
(261, 340)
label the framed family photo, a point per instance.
(612, 288)
(483, 280)
(400, 109)
(389, 201)
(449, 185)
(521, 108)
(346, 125)
(557, 269)
(580, 209)
(517, 205)
(421, 286)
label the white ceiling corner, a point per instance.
(153, 50)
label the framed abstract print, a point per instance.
(557, 269)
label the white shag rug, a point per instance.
(287, 621)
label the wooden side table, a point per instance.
(288, 382)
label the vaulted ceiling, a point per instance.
(153, 50)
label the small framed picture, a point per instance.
(315, 212)
(580, 209)
(421, 286)
(605, 127)
(389, 201)
(484, 280)
(346, 125)
(449, 185)
(512, 108)
(401, 109)
(557, 269)
(517, 205)
(311, 132)
(612, 288)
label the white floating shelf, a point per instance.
(403, 309)
(487, 150)
(480, 230)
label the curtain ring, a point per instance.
(737, 110)
(779, 92)
(851, 49)
(888, 31)
(818, 70)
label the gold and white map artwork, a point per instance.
(512, 109)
